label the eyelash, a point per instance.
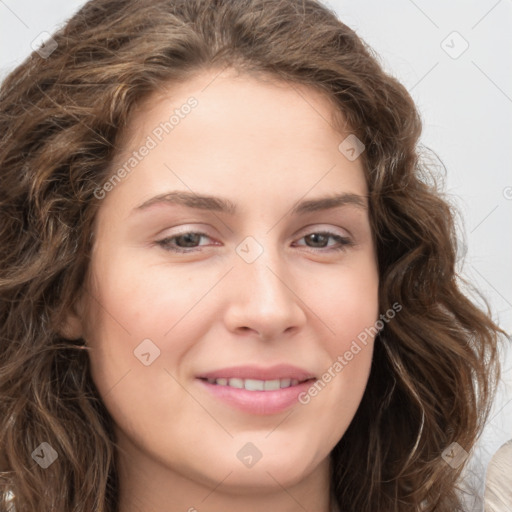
(344, 242)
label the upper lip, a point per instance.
(278, 371)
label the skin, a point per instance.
(264, 145)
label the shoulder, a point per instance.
(498, 484)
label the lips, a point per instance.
(257, 390)
(276, 372)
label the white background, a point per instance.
(466, 106)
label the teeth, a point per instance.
(255, 384)
(271, 385)
(236, 383)
(285, 383)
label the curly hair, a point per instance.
(435, 366)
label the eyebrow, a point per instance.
(223, 205)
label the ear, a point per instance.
(71, 327)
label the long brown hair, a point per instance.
(62, 113)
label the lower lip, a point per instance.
(258, 402)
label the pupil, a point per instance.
(191, 239)
(314, 237)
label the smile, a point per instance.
(255, 384)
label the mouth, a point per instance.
(257, 390)
(256, 384)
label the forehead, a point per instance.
(248, 132)
(262, 105)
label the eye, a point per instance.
(189, 241)
(320, 239)
(183, 242)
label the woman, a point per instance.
(316, 353)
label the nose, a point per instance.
(264, 299)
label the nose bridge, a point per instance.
(261, 275)
(263, 299)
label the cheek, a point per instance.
(133, 302)
(347, 304)
(124, 311)
(144, 300)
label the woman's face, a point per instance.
(240, 273)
